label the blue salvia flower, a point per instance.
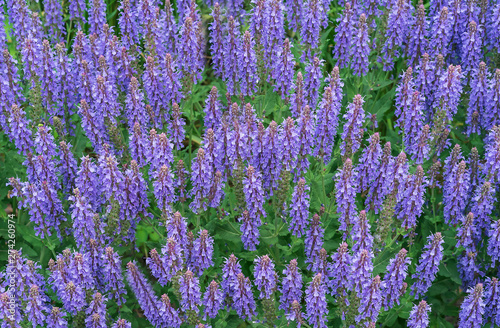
(472, 44)
(169, 28)
(113, 275)
(282, 69)
(254, 193)
(19, 129)
(369, 163)
(265, 276)
(312, 81)
(449, 91)
(212, 109)
(344, 35)
(482, 204)
(428, 264)
(360, 48)
(492, 164)
(243, 301)
(472, 309)
(361, 270)
(345, 186)
(54, 20)
(403, 101)
(77, 11)
(394, 285)
(396, 33)
(12, 318)
(492, 300)
(248, 77)
(440, 33)
(250, 231)
(163, 188)
(96, 312)
(230, 272)
(421, 148)
(189, 288)
(190, 50)
(171, 80)
(339, 271)
(314, 240)
(97, 16)
(212, 300)
(371, 301)
(200, 176)
(271, 167)
(83, 219)
(320, 264)
(274, 28)
(469, 268)
(492, 101)
(217, 40)
(230, 53)
(172, 259)
(361, 236)
(88, 183)
(152, 85)
(294, 12)
(177, 127)
(316, 306)
(143, 291)
(417, 43)
(289, 141)
(291, 289)
(410, 206)
(36, 307)
(494, 243)
(493, 28)
(413, 123)
(260, 19)
(134, 104)
(67, 165)
(353, 128)
(56, 319)
(311, 26)
(467, 232)
(419, 315)
(299, 208)
(203, 249)
(477, 107)
(306, 141)
(297, 98)
(73, 297)
(327, 118)
(455, 191)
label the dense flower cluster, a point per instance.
(200, 163)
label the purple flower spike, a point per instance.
(494, 243)
(282, 70)
(353, 128)
(248, 77)
(291, 287)
(369, 163)
(360, 49)
(203, 252)
(472, 44)
(455, 192)
(361, 270)
(265, 276)
(396, 33)
(212, 300)
(314, 240)
(371, 301)
(428, 264)
(394, 285)
(312, 81)
(410, 206)
(316, 306)
(345, 186)
(492, 300)
(419, 315)
(344, 35)
(472, 309)
(299, 208)
(311, 26)
(250, 231)
(189, 288)
(243, 301)
(417, 44)
(361, 236)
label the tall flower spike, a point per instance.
(314, 240)
(353, 128)
(203, 252)
(248, 77)
(455, 193)
(189, 288)
(230, 53)
(274, 29)
(316, 306)
(163, 188)
(299, 208)
(189, 50)
(339, 271)
(361, 270)
(344, 35)
(19, 129)
(394, 278)
(254, 194)
(113, 275)
(440, 33)
(494, 243)
(472, 309)
(417, 43)
(327, 122)
(482, 204)
(97, 16)
(35, 306)
(312, 82)
(230, 272)
(360, 49)
(396, 33)
(409, 208)
(294, 12)
(169, 315)
(243, 301)
(466, 232)
(345, 186)
(371, 301)
(472, 44)
(493, 101)
(413, 122)
(282, 69)
(492, 300)
(216, 40)
(428, 264)
(310, 26)
(96, 312)
(265, 276)
(84, 227)
(306, 141)
(250, 231)
(200, 177)
(212, 299)
(297, 99)
(143, 291)
(361, 236)
(54, 20)
(56, 319)
(419, 315)
(369, 163)
(212, 109)
(291, 288)
(477, 108)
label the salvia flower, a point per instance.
(353, 128)
(248, 77)
(371, 301)
(169, 315)
(477, 108)
(113, 275)
(360, 49)
(345, 186)
(299, 208)
(96, 312)
(361, 270)
(316, 306)
(417, 44)
(344, 36)
(419, 315)
(202, 252)
(250, 231)
(369, 162)
(394, 278)
(361, 236)
(494, 243)
(243, 301)
(411, 203)
(291, 289)
(327, 119)
(440, 33)
(311, 26)
(212, 299)
(396, 33)
(472, 309)
(190, 292)
(265, 276)
(455, 192)
(313, 81)
(339, 271)
(314, 239)
(472, 43)
(428, 265)
(217, 40)
(282, 70)
(492, 300)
